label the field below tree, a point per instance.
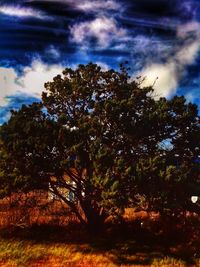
(128, 244)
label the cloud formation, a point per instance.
(102, 30)
(8, 84)
(30, 82)
(166, 77)
(21, 12)
(88, 5)
(97, 6)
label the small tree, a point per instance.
(95, 132)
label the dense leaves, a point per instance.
(105, 140)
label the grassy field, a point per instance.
(28, 253)
(53, 247)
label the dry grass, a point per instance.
(135, 244)
(50, 246)
(51, 213)
(15, 253)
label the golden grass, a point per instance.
(17, 253)
(50, 248)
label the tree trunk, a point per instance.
(95, 219)
(95, 224)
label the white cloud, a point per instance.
(21, 12)
(104, 30)
(96, 6)
(8, 83)
(187, 29)
(30, 82)
(93, 6)
(188, 53)
(166, 77)
(162, 78)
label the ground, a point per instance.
(50, 246)
(27, 253)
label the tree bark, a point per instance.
(95, 218)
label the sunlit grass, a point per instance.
(25, 253)
(124, 245)
(20, 252)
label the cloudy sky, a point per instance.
(159, 38)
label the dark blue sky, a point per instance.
(159, 38)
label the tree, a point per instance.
(103, 138)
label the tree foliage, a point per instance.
(114, 142)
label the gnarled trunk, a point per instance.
(95, 217)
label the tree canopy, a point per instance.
(116, 143)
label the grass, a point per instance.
(28, 253)
(153, 243)
(48, 246)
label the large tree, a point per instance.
(105, 139)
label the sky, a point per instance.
(159, 38)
